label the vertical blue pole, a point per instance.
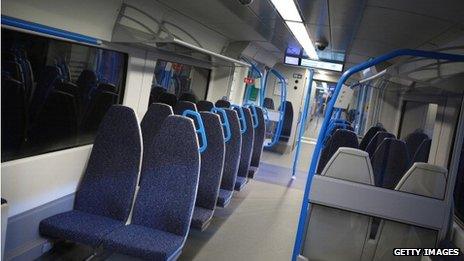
(303, 122)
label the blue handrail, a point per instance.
(201, 128)
(254, 69)
(303, 121)
(330, 108)
(283, 99)
(241, 117)
(254, 114)
(39, 28)
(224, 122)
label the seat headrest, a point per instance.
(389, 162)
(424, 179)
(168, 98)
(351, 165)
(186, 96)
(268, 103)
(182, 106)
(369, 135)
(223, 104)
(204, 106)
(422, 153)
(375, 142)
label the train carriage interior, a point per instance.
(232, 130)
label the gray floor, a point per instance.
(259, 224)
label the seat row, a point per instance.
(389, 156)
(144, 186)
(370, 238)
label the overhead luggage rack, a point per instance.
(135, 26)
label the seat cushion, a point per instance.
(224, 197)
(240, 183)
(144, 242)
(78, 226)
(201, 217)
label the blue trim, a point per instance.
(241, 117)
(224, 122)
(330, 108)
(303, 121)
(10, 21)
(283, 99)
(201, 128)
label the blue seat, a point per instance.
(232, 159)
(341, 138)
(182, 106)
(164, 205)
(87, 83)
(222, 104)
(414, 140)
(212, 163)
(104, 197)
(168, 98)
(377, 140)
(389, 163)
(47, 80)
(247, 149)
(204, 106)
(260, 132)
(369, 135)
(268, 103)
(96, 108)
(151, 124)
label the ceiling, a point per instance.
(354, 29)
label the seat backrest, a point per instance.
(57, 120)
(233, 151)
(87, 82)
(47, 80)
(288, 121)
(247, 144)
(182, 106)
(389, 162)
(260, 132)
(108, 87)
(377, 140)
(369, 135)
(168, 190)
(414, 140)
(222, 104)
(155, 94)
(327, 224)
(205, 106)
(96, 109)
(341, 138)
(424, 179)
(212, 162)
(422, 153)
(168, 98)
(151, 123)
(421, 179)
(108, 184)
(187, 96)
(268, 103)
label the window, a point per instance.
(179, 79)
(54, 92)
(459, 189)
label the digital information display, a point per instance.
(292, 60)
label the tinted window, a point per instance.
(54, 93)
(180, 79)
